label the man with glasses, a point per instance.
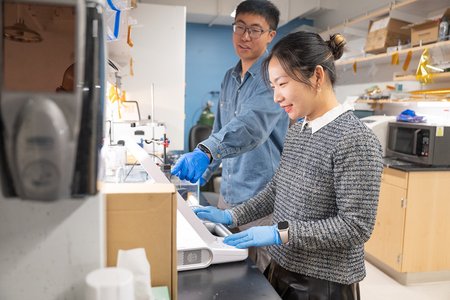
(249, 127)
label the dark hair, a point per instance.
(266, 9)
(300, 52)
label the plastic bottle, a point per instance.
(443, 29)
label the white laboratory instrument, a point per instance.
(199, 243)
(379, 126)
(139, 131)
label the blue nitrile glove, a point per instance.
(191, 165)
(202, 181)
(257, 236)
(410, 116)
(408, 112)
(213, 214)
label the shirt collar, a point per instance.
(254, 69)
(328, 117)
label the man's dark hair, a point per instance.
(263, 8)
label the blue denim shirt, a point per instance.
(247, 136)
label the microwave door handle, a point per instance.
(416, 134)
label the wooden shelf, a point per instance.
(386, 57)
(425, 99)
(356, 29)
(413, 11)
(437, 77)
(358, 26)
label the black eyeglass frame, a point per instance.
(250, 30)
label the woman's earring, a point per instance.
(318, 89)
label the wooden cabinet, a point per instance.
(143, 215)
(389, 226)
(412, 229)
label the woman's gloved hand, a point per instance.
(213, 214)
(191, 166)
(257, 236)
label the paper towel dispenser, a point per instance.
(52, 61)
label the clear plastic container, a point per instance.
(114, 18)
(189, 191)
(115, 158)
(120, 4)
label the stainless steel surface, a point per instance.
(217, 229)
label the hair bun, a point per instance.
(336, 45)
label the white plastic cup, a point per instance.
(110, 284)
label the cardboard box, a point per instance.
(142, 215)
(385, 33)
(427, 32)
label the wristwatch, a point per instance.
(283, 230)
(205, 150)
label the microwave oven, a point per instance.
(419, 143)
(379, 125)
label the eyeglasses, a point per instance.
(253, 32)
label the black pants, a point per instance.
(294, 286)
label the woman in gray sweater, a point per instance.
(324, 194)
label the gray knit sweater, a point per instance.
(326, 187)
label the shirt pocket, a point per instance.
(227, 109)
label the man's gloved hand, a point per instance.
(202, 181)
(191, 165)
(257, 236)
(213, 214)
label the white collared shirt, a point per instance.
(328, 117)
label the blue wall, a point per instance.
(209, 54)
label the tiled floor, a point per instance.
(379, 286)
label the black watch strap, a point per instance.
(205, 150)
(283, 230)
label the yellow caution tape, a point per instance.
(131, 67)
(407, 60)
(129, 41)
(395, 59)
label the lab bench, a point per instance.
(237, 280)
